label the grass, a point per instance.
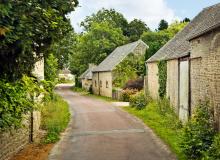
(86, 93)
(164, 122)
(55, 118)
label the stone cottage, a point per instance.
(103, 75)
(193, 64)
(86, 77)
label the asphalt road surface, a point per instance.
(100, 131)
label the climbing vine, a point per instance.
(128, 69)
(162, 74)
(17, 99)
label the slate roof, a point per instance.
(87, 74)
(117, 56)
(211, 20)
(179, 46)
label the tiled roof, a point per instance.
(211, 20)
(117, 56)
(179, 46)
(88, 73)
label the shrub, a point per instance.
(17, 99)
(127, 93)
(198, 133)
(139, 101)
(214, 151)
(135, 84)
(49, 89)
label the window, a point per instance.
(106, 84)
(95, 84)
(100, 83)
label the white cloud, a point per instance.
(150, 11)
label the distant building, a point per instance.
(86, 78)
(103, 74)
(66, 75)
(193, 65)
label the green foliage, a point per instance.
(165, 125)
(198, 133)
(163, 25)
(110, 16)
(55, 118)
(139, 100)
(17, 98)
(130, 68)
(135, 29)
(162, 75)
(48, 89)
(63, 49)
(127, 93)
(27, 29)
(51, 68)
(214, 151)
(95, 45)
(155, 40)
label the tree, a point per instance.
(95, 45)
(186, 20)
(163, 25)
(51, 68)
(155, 40)
(27, 29)
(136, 28)
(110, 16)
(63, 49)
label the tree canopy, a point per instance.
(94, 45)
(163, 25)
(27, 29)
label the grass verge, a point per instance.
(164, 123)
(55, 118)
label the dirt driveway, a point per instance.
(100, 131)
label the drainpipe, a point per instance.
(98, 84)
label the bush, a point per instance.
(135, 84)
(17, 99)
(139, 101)
(49, 89)
(214, 151)
(127, 93)
(198, 133)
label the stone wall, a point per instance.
(173, 83)
(102, 83)
(205, 71)
(153, 83)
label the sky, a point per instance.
(149, 11)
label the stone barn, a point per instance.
(104, 75)
(86, 77)
(193, 65)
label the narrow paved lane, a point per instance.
(100, 131)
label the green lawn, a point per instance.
(165, 124)
(55, 118)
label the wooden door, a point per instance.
(184, 90)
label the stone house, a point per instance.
(103, 75)
(66, 75)
(86, 77)
(193, 65)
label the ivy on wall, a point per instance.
(128, 69)
(162, 74)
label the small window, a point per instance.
(106, 84)
(100, 83)
(95, 84)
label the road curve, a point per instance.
(100, 131)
